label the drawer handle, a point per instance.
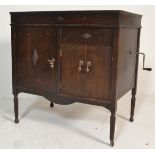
(51, 62)
(81, 63)
(89, 64)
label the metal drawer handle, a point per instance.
(89, 64)
(81, 63)
(51, 62)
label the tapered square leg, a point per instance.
(134, 90)
(133, 99)
(112, 127)
(16, 108)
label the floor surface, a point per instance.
(77, 125)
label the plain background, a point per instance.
(77, 125)
(146, 80)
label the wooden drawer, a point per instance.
(88, 18)
(25, 18)
(70, 17)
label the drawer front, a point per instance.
(86, 62)
(33, 47)
(34, 18)
(108, 19)
(88, 18)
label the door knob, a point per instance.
(88, 66)
(51, 62)
(81, 63)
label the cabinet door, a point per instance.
(72, 80)
(34, 46)
(94, 47)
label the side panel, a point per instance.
(72, 47)
(126, 61)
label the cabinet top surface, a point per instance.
(78, 11)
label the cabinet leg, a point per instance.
(133, 99)
(112, 128)
(16, 108)
(51, 104)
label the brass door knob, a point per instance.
(51, 62)
(89, 64)
(81, 63)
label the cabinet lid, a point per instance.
(107, 18)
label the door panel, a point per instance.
(72, 80)
(87, 44)
(99, 76)
(33, 47)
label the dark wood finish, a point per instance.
(76, 56)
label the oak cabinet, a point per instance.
(76, 56)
